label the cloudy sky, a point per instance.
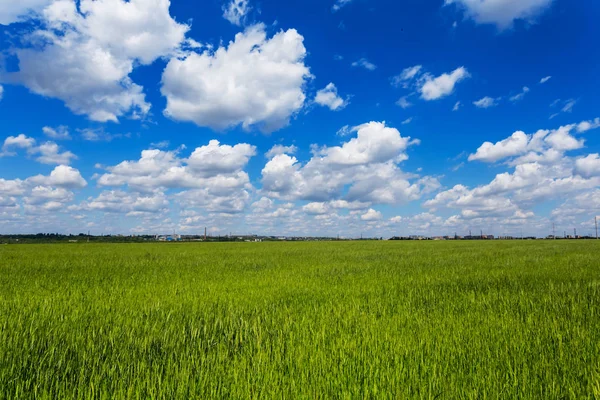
(312, 117)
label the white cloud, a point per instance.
(366, 166)
(568, 107)
(316, 208)
(588, 166)
(588, 125)
(49, 153)
(255, 81)
(443, 85)
(214, 173)
(403, 102)
(544, 145)
(350, 205)
(236, 11)
(430, 87)
(62, 176)
(100, 135)
(339, 4)
(407, 121)
(16, 142)
(59, 133)
(501, 13)
(163, 144)
(344, 131)
(83, 56)
(280, 149)
(520, 96)
(554, 103)
(486, 102)
(14, 187)
(118, 201)
(371, 215)
(14, 11)
(1, 92)
(43, 194)
(542, 172)
(328, 97)
(364, 63)
(457, 106)
(215, 158)
(407, 75)
(512, 146)
(545, 79)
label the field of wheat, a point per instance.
(347, 320)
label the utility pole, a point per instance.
(205, 234)
(553, 231)
(596, 221)
(575, 233)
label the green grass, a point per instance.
(397, 320)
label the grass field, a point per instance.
(397, 320)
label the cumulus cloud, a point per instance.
(316, 208)
(47, 153)
(255, 81)
(14, 187)
(62, 176)
(542, 172)
(44, 194)
(236, 11)
(457, 106)
(14, 11)
(216, 158)
(212, 177)
(371, 215)
(588, 166)
(328, 97)
(543, 145)
(443, 85)
(364, 63)
(512, 146)
(58, 133)
(366, 165)
(588, 125)
(84, 53)
(501, 13)
(118, 201)
(545, 79)
(486, 102)
(16, 142)
(280, 149)
(1, 92)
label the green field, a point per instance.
(397, 320)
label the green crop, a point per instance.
(340, 320)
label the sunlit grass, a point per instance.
(485, 320)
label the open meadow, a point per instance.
(348, 320)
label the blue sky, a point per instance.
(319, 117)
